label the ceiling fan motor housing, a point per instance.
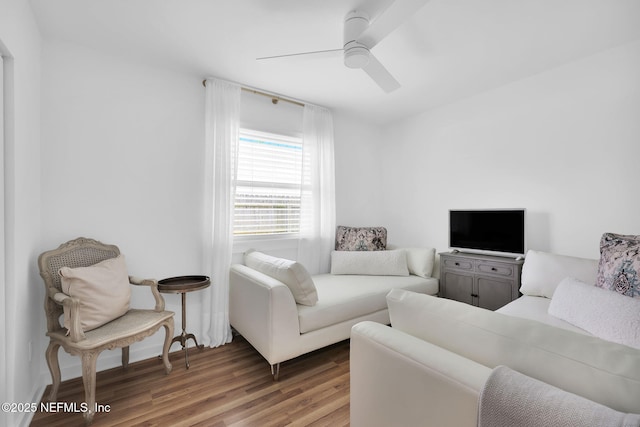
(356, 55)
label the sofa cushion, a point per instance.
(570, 361)
(420, 261)
(103, 290)
(291, 273)
(542, 272)
(619, 266)
(361, 238)
(342, 298)
(372, 263)
(537, 308)
(608, 315)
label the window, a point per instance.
(268, 184)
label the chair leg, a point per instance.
(54, 367)
(125, 357)
(168, 327)
(89, 359)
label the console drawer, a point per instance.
(497, 269)
(458, 264)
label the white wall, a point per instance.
(564, 144)
(122, 145)
(359, 172)
(122, 151)
(21, 303)
(258, 112)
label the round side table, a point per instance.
(182, 285)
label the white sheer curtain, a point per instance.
(317, 211)
(222, 123)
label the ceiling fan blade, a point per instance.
(317, 52)
(380, 75)
(390, 19)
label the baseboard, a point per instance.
(106, 360)
(24, 418)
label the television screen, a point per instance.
(495, 230)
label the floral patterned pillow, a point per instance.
(361, 238)
(619, 267)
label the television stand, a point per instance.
(486, 281)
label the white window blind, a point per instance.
(268, 184)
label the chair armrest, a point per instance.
(73, 307)
(153, 284)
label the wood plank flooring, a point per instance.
(227, 386)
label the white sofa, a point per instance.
(430, 367)
(263, 307)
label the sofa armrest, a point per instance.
(401, 380)
(263, 310)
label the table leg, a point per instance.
(184, 336)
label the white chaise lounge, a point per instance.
(284, 313)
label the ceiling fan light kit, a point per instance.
(356, 56)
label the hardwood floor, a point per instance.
(227, 386)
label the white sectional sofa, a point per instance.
(432, 365)
(285, 313)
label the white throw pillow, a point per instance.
(604, 313)
(372, 263)
(291, 273)
(542, 272)
(420, 261)
(103, 289)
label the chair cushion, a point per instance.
(291, 273)
(131, 327)
(103, 290)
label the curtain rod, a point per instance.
(274, 98)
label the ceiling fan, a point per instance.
(361, 35)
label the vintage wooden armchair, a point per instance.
(133, 326)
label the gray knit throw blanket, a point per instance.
(511, 399)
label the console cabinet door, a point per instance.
(458, 286)
(493, 293)
(486, 281)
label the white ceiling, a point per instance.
(448, 50)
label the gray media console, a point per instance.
(485, 281)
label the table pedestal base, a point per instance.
(182, 339)
(182, 285)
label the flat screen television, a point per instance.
(494, 231)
